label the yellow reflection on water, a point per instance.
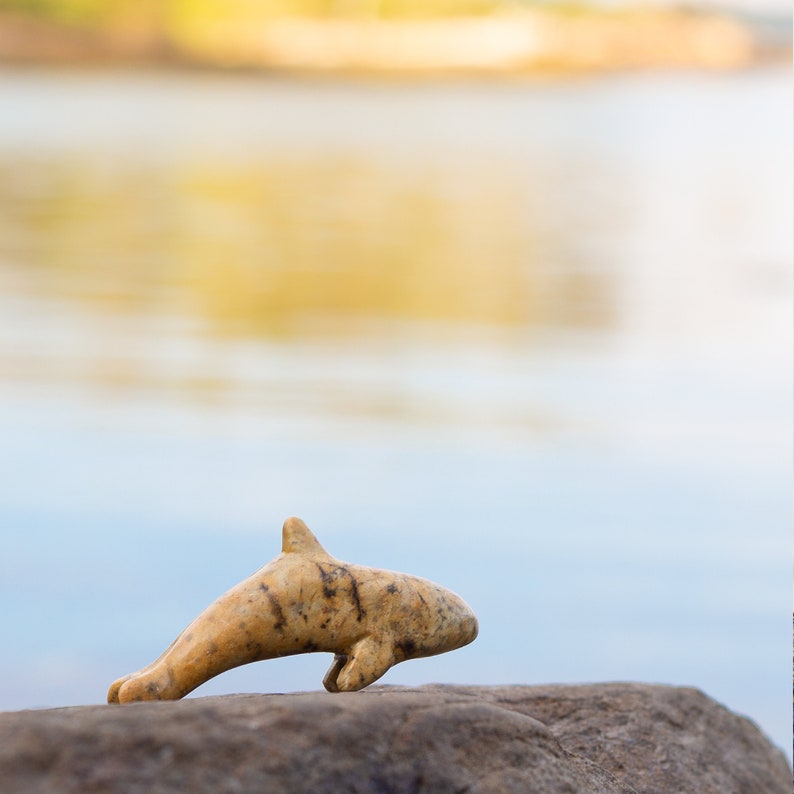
(276, 246)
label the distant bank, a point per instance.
(529, 42)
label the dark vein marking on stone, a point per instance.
(407, 647)
(326, 576)
(275, 607)
(354, 592)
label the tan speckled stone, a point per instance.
(305, 600)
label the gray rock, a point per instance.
(605, 738)
(656, 739)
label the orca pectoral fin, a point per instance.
(329, 679)
(367, 661)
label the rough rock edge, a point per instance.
(599, 739)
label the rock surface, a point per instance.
(602, 738)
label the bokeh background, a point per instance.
(523, 329)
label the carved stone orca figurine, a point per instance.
(302, 601)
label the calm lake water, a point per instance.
(532, 341)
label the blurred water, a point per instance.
(529, 340)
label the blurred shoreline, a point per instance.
(529, 42)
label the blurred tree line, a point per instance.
(178, 13)
(525, 35)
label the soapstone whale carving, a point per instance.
(305, 600)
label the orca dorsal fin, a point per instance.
(297, 538)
